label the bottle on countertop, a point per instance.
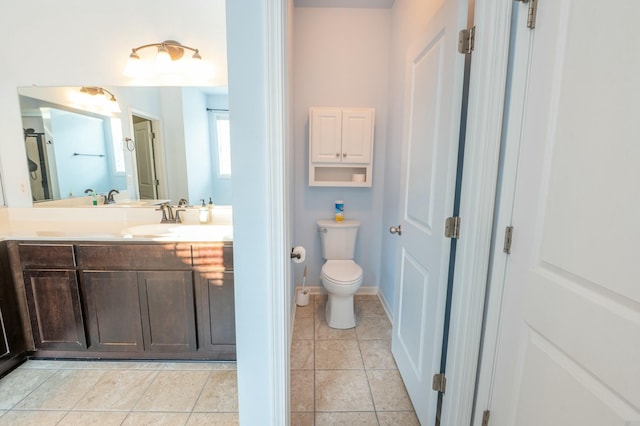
(210, 209)
(204, 212)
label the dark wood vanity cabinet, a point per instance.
(213, 266)
(53, 296)
(133, 300)
(12, 340)
(140, 311)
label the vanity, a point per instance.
(147, 292)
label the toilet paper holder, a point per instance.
(295, 255)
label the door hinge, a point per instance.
(531, 14)
(439, 382)
(485, 417)
(508, 236)
(452, 227)
(466, 40)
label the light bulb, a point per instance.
(134, 67)
(163, 59)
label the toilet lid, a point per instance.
(345, 271)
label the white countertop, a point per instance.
(111, 224)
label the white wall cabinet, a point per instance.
(341, 146)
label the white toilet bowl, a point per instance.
(341, 279)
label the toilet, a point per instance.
(340, 275)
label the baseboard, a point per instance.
(318, 289)
(385, 306)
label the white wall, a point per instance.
(197, 146)
(340, 59)
(67, 43)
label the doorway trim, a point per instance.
(484, 128)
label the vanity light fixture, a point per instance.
(108, 102)
(168, 53)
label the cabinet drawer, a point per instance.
(48, 256)
(213, 256)
(135, 256)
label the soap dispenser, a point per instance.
(210, 210)
(204, 212)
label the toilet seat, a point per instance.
(342, 272)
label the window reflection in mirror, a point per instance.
(168, 143)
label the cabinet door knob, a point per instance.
(344, 154)
(337, 154)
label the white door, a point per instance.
(432, 119)
(568, 338)
(147, 182)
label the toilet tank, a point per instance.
(338, 238)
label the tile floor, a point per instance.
(119, 393)
(346, 377)
(338, 377)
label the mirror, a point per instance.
(155, 143)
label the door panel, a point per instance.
(433, 100)
(145, 161)
(570, 318)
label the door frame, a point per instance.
(487, 90)
(158, 152)
(484, 127)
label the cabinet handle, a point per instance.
(344, 154)
(337, 155)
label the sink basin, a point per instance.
(180, 232)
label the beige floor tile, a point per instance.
(62, 390)
(20, 383)
(324, 332)
(97, 418)
(303, 328)
(213, 419)
(302, 390)
(223, 365)
(367, 306)
(39, 364)
(156, 419)
(173, 391)
(117, 390)
(347, 419)
(220, 393)
(305, 311)
(186, 366)
(338, 355)
(302, 355)
(32, 418)
(301, 419)
(377, 354)
(389, 393)
(395, 418)
(342, 390)
(378, 328)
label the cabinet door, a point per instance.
(168, 311)
(113, 310)
(325, 135)
(4, 341)
(357, 135)
(54, 309)
(217, 327)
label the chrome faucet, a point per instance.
(109, 198)
(168, 214)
